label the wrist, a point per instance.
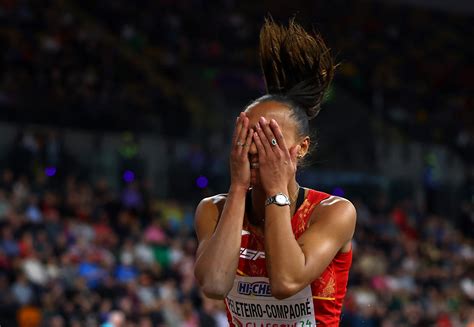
(239, 189)
(276, 190)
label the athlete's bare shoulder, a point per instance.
(212, 203)
(333, 201)
(337, 216)
(217, 199)
(208, 213)
(335, 208)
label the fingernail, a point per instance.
(273, 121)
(263, 120)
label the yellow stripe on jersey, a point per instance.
(324, 298)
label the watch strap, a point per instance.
(272, 200)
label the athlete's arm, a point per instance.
(219, 243)
(293, 264)
(219, 238)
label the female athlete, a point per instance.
(277, 252)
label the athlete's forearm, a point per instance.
(217, 264)
(284, 258)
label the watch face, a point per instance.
(280, 199)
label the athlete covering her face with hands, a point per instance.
(279, 254)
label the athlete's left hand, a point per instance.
(277, 163)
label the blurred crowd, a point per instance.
(75, 253)
(78, 252)
(410, 65)
(410, 268)
(59, 67)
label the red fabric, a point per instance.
(330, 288)
(443, 321)
(401, 219)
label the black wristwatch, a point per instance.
(279, 199)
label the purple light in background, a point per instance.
(128, 176)
(337, 191)
(202, 182)
(50, 171)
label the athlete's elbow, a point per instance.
(282, 294)
(213, 291)
(282, 290)
(214, 295)
(211, 288)
(214, 286)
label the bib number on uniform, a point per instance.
(251, 305)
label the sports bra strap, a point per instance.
(300, 199)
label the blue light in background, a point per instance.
(337, 191)
(128, 176)
(50, 171)
(202, 182)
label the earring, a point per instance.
(299, 156)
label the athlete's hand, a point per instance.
(239, 161)
(277, 163)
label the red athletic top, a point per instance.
(250, 303)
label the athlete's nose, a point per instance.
(253, 149)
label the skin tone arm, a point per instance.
(219, 238)
(293, 264)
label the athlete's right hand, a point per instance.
(239, 161)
